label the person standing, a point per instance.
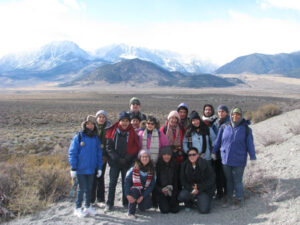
(135, 105)
(122, 147)
(235, 141)
(98, 191)
(198, 181)
(85, 156)
(209, 118)
(139, 184)
(183, 111)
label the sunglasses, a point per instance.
(150, 123)
(193, 154)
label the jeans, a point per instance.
(85, 183)
(203, 200)
(143, 205)
(113, 179)
(220, 178)
(234, 180)
(98, 190)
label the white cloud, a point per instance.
(31, 23)
(282, 4)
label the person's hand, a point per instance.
(164, 191)
(140, 199)
(253, 163)
(213, 156)
(195, 190)
(73, 173)
(130, 199)
(99, 173)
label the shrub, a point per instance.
(264, 112)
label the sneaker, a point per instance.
(227, 202)
(187, 209)
(79, 213)
(131, 216)
(90, 211)
(100, 204)
(108, 208)
(237, 203)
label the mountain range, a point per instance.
(284, 64)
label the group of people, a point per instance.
(190, 159)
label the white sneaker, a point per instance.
(79, 213)
(131, 216)
(91, 211)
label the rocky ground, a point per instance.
(272, 188)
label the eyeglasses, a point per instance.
(150, 123)
(193, 154)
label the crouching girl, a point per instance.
(139, 183)
(85, 156)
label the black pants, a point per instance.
(166, 205)
(98, 191)
(220, 178)
(113, 179)
(143, 205)
(203, 200)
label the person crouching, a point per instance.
(139, 184)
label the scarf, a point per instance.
(154, 144)
(173, 135)
(133, 142)
(136, 179)
(209, 120)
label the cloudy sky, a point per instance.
(216, 30)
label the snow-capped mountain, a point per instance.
(166, 59)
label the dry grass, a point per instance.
(263, 112)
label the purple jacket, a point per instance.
(163, 140)
(234, 145)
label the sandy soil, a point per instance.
(274, 197)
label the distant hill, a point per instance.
(285, 64)
(138, 71)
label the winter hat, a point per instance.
(142, 152)
(166, 150)
(212, 109)
(91, 118)
(124, 115)
(237, 110)
(182, 106)
(174, 113)
(193, 148)
(194, 115)
(134, 100)
(103, 113)
(223, 107)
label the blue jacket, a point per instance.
(197, 142)
(85, 159)
(143, 176)
(234, 145)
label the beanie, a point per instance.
(166, 150)
(237, 110)
(142, 152)
(174, 113)
(134, 100)
(124, 115)
(182, 106)
(223, 107)
(103, 113)
(194, 115)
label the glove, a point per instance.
(73, 173)
(213, 156)
(99, 173)
(253, 163)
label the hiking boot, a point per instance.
(131, 216)
(90, 211)
(108, 208)
(79, 213)
(237, 203)
(227, 202)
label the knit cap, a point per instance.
(91, 118)
(142, 152)
(103, 113)
(166, 150)
(223, 107)
(134, 100)
(237, 110)
(174, 113)
(124, 115)
(194, 115)
(182, 106)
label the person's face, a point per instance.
(89, 125)
(166, 158)
(135, 123)
(236, 117)
(101, 119)
(124, 123)
(182, 113)
(150, 125)
(145, 159)
(196, 122)
(135, 107)
(222, 114)
(207, 111)
(193, 156)
(173, 121)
